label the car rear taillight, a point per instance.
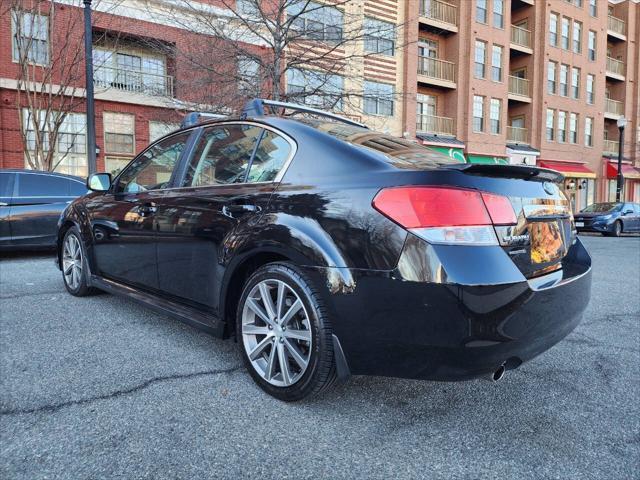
(446, 214)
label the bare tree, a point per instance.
(254, 46)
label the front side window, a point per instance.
(577, 37)
(550, 124)
(315, 21)
(565, 34)
(575, 82)
(590, 89)
(573, 128)
(152, 169)
(498, 13)
(494, 115)
(379, 37)
(588, 132)
(496, 63)
(30, 37)
(481, 11)
(564, 80)
(119, 133)
(562, 126)
(480, 59)
(553, 29)
(478, 113)
(315, 88)
(551, 77)
(592, 45)
(378, 98)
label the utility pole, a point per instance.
(88, 61)
(622, 122)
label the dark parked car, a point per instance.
(609, 218)
(30, 205)
(327, 249)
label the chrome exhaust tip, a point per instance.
(498, 374)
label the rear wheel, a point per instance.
(617, 228)
(74, 264)
(284, 333)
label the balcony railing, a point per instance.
(613, 107)
(436, 68)
(517, 135)
(134, 81)
(441, 11)
(433, 124)
(615, 66)
(610, 146)
(519, 86)
(615, 25)
(520, 36)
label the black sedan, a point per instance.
(30, 205)
(327, 249)
(609, 218)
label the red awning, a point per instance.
(628, 171)
(569, 169)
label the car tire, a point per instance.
(73, 260)
(270, 335)
(617, 228)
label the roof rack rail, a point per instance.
(194, 118)
(255, 108)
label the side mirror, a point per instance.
(627, 212)
(99, 182)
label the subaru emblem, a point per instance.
(548, 187)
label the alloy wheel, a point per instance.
(276, 332)
(72, 261)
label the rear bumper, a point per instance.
(393, 326)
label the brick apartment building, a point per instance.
(498, 81)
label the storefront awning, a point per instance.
(628, 171)
(568, 169)
(487, 159)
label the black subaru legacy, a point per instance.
(328, 249)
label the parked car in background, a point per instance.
(609, 218)
(327, 248)
(31, 203)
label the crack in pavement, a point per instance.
(118, 393)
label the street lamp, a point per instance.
(622, 122)
(88, 77)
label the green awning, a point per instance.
(487, 160)
(455, 153)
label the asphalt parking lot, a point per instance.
(100, 388)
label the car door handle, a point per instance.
(3, 204)
(230, 210)
(147, 209)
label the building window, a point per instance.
(592, 46)
(498, 13)
(315, 88)
(564, 41)
(494, 115)
(564, 80)
(378, 98)
(591, 79)
(575, 82)
(249, 78)
(72, 136)
(577, 37)
(133, 72)
(119, 133)
(496, 63)
(593, 8)
(562, 126)
(159, 129)
(573, 128)
(551, 77)
(481, 11)
(30, 37)
(379, 37)
(248, 7)
(588, 132)
(553, 29)
(481, 55)
(114, 165)
(426, 109)
(315, 21)
(551, 113)
(478, 113)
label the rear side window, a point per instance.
(223, 155)
(35, 185)
(6, 184)
(271, 155)
(77, 189)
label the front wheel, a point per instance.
(284, 333)
(617, 228)
(74, 264)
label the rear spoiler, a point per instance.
(511, 171)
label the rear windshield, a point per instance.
(602, 207)
(398, 151)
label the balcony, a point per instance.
(519, 89)
(521, 39)
(610, 147)
(613, 109)
(434, 71)
(438, 15)
(517, 135)
(134, 81)
(516, 4)
(435, 125)
(616, 28)
(615, 69)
